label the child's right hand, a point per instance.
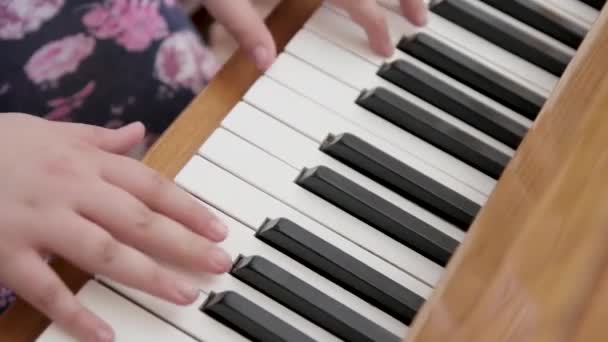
(67, 191)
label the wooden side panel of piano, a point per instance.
(533, 267)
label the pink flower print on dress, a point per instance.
(20, 17)
(58, 58)
(4, 88)
(134, 24)
(183, 62)
(63, 106)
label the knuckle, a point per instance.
(159, 186)
(377, 19)
(95, 134)
(48, 297)
(107, 250)
(33, 203)
(75, 317)
(144, 218)
(60, 165)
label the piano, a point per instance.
(452, 191)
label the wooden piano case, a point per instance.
(534, 264)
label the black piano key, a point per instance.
(307, 301)
(526, 11)
(597, 4)
(341, 268)
(472, 73)
(402, 179)
(379, 213)
(250, 320)
(436, 131)
(509, 37)
(454, 101)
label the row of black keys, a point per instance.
(254, 322)
(525, 12)
(451, 99)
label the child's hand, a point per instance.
(241, 20)
(66, 191)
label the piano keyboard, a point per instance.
(348, 180)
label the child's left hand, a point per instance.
(241, 20)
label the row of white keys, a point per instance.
(276, 178)
(301, 152)
(360, 74)
(129, 321)
(304, 116)
(509, 65)
(252, 207)
(348, 35)
(340, 98)
(241, 241)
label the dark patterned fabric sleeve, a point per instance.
(103, 62)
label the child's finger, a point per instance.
(160, 194)
(133, 223)
(119, 141)
(36, 283)
(91, 248)
(415, 11)
(243, 22)
(370, 16)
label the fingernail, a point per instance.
(219, 230)
(104, 334)
(186, 292)
(219, 260)
(422, 18)
(388, 49)
(261, 57)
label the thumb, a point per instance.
(242, 21)
(120, 141)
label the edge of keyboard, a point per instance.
(517, 276)
(535, 184)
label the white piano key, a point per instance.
(185, 317)
(129, 322)
(302, 152)
(304, 116)
(207, 283)
(493, 56)
(361, 75)
(579, 11)
(220, 283)
(340, 98)
(216, 187)
(348, 35)
(278, 179)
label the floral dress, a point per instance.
(101, 62)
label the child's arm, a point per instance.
(66, 190)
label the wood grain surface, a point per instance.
(533, 267)
(22, 323)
